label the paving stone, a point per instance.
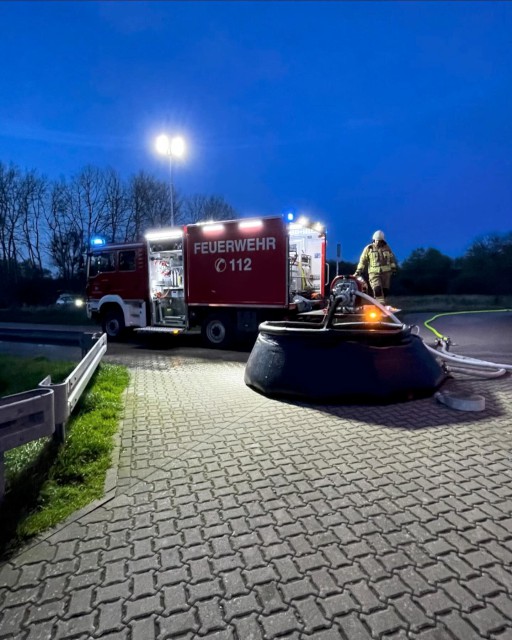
(178, 624)
(80, 602)
(338, 605)
(318, 523)
(143, 628)
(233, 583)
(82, 580)
(175, 598)
(41, 631)
(411, 613)
(310, 614)
(503, 603)
(11, 621)
(460, 595)
(85, 625)
(353, 628)
(487, 620)
(210, 616)
(248, 627)
(327, 634)
(347, 575)
(142, 607)
(220, 635)
(287, 569)
(385, 621)
(413, 580)
(390, 588)
(459, 627)
(25, 595)
(484, 587)
(269, 597)
(30, 575)
(279, 624)
(241, 606)
(298, 589)
(111, 616)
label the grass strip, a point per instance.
(46, 483)
(21, 374)
(46, 315)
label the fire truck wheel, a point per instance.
(217, 331)
(113, 324)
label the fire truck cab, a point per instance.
(222, 278)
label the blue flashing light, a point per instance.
(98, 241)
(290, 216)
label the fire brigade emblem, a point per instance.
(220, 265)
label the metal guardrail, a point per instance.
(67, 393)
(44, 411)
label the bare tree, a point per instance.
(116, 205)
(150, 205)
(21, 208)
(66, 235)
(9, 219)
(89, 203)
(32, 201)
(200, 208)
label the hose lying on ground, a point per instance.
(465, 364)
(460, 363)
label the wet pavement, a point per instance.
(232, 516)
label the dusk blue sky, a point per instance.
(363, 115)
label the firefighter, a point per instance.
(381, 263)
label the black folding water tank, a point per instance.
(349, 362)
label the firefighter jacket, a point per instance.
(378, 257)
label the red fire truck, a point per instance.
(222, 278)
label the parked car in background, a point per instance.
(69, 300)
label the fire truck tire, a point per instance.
(217, 331)
(113, 324)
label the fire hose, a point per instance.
(464, 364)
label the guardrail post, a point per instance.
(59, 435)
(60, 403)
(87, 341)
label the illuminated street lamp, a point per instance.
(173, 148)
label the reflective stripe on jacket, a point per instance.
(378, 259)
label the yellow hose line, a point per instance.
(455, 313)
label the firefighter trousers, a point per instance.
(380, 284)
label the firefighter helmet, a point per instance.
(378, 235)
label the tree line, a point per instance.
(47, 224)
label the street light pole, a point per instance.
(171, 147)
(172, 190)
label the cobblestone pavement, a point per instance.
(238, 517)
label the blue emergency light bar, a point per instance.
(97, 241)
